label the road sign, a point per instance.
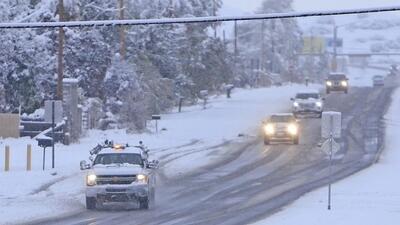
(326, 147)
(330, 42)
(331, 124)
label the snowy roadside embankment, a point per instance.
(186, 144)
(369, 197)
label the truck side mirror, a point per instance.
(84, 165)
(153, 164)
(291, 99)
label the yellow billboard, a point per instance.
(313, 45)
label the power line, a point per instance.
(194, 19)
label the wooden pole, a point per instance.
(122, 47)
(262, 56)
(215, 14)
(60, 57)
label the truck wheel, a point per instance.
(328, 91)
(296, 141)
(144, 203)
(90, 203)
(266, 141)
(345, 91)
(320, 115)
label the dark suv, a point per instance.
(337, 82)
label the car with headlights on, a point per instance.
(119, 174)
(308, 103)
(337, 82)
(282, 127)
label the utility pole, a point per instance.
(122, 41)
(236, 41)
(272, 46)
(215, 14)
(224, 37)
(334, 60)
(262, 55)
(61, 37)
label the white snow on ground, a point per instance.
(370, 197)
(37, 194)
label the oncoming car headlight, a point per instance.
(295, 104)
(141, 178)
(269, 129)
(318, 104)
(329, 83)
(292, 129)
(91, 180)
(344, 83)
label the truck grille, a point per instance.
(115, 179)
(307, 105)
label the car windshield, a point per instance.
(281, 119)
(307, 95)
(118, 158)
(337, 77)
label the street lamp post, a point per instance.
(334, 60)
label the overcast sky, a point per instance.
(232, 7)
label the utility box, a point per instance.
(9, 125)
(331, 123)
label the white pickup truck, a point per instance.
(308, 103)
(119, 174)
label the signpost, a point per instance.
(44, 143)
(52, 134)
(156, 118)
(332, 125)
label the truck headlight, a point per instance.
(329, 83)
(295, 104)
(292, 129)
(318, 104)
(141, 178)
(344, 83)
(269, 129)
(91, 180)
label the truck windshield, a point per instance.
(307, 95)
(281, 119)
(119, 158)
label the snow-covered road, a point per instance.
(249, 180)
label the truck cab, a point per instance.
(119, 174)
